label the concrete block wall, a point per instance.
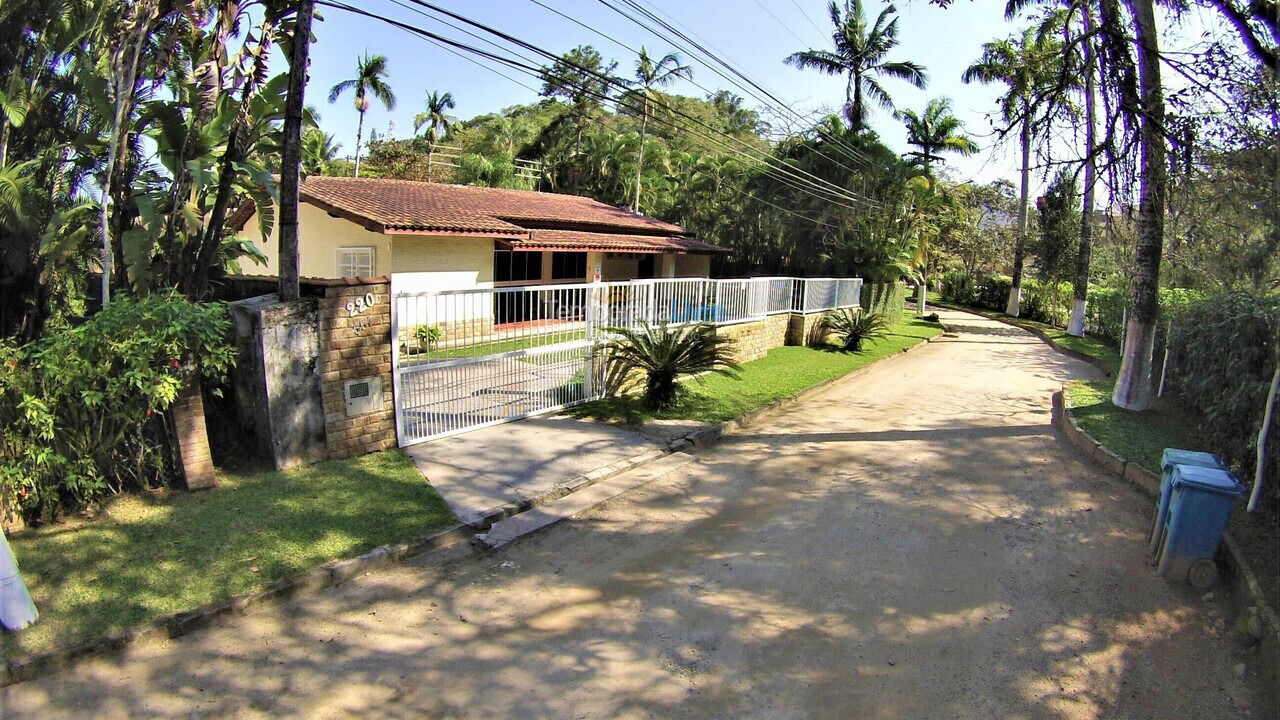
(355, 343)
(805, 329)
(753, 340)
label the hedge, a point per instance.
(888, 299)
(1223, 351)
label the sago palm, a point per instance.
(854, 326)
(860, 52)
(1027, 66)
(662, 354)
(370, 82)
(649, 76)
(936, 131)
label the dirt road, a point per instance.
(916, 542)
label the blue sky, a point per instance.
(754, 35)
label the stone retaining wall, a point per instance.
(753, 340)
(805, 329)
(355, 344)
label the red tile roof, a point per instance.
(410, 206)
(579, 240)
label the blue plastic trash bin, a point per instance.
(1199, 504)
(1169, 458)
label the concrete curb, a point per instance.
(1143, 479)
(337, 572)
(176, 625)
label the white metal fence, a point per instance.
(464, 359)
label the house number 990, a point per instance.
(360, 304)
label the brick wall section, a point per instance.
(187, 418)
(753, 340)
(805, 329)
(353, 347)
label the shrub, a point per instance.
(854, 325)
(885, 299)
(427, 336)
(959, 287)
(932, 317)
(80, 408)
(1223, 351)
(662, 354)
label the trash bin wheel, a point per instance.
(1203, 574)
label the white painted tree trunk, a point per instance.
(1019, 249)
(1015, 301)
(1076, 325)
(1261, 459)
(922, 292)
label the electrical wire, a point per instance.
(815, 181)
(449, 44)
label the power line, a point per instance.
(756, 88)
(820, 183)
(534, 71)
(821, 33)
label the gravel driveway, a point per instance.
(916, 542)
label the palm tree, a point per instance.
(318, 150)
(860, 52)
(936, 131)
(1025, 65)
(1080, 288)
(650, 75)
(370, 79)
(435, 120)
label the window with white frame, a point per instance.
(355, 262)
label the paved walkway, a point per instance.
(480, 470)
(916, 542)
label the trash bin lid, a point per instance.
(1175, 456)
(1210, 479)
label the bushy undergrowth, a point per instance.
(1223, 351)
(80, 409)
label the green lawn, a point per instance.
(495, 347)
(149, 555)
(784, 372)
(1139, 436)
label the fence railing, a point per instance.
(466, 324)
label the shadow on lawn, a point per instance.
(157, 553)
(787, 575)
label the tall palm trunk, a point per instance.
(291, 154)
(1015, 291)
(1133, 389)
(644, 124)
(1079, 305)
(359, 138)
(124, 90)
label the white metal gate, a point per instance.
(464, 359)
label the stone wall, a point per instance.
(805, 329)
(753, 340)
(277, 388)
(355, 344)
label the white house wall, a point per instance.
(319, 237)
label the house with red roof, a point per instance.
(432, 236)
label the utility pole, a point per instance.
(291, 154)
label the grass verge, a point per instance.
(149, 555)
(783, 373)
